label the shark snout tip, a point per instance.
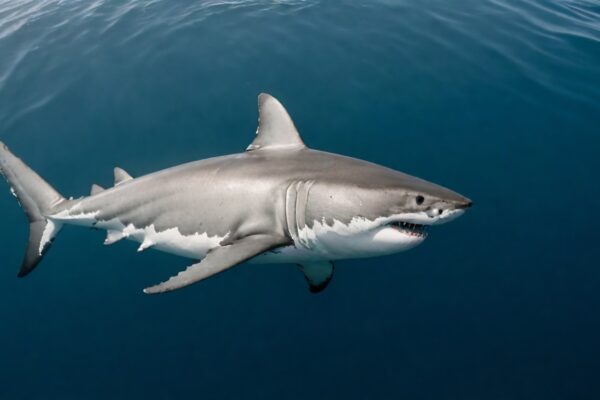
(466, 203)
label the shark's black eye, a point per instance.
(420, 199)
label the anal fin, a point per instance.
(113, 236)
(318, 274)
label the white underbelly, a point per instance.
(192, 246)
(360, 238)
(171, 240)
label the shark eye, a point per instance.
(420, 199)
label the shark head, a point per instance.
(343, 207)
(418, 202)
(414, 206)
(370, 210)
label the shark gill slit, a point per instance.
(297, 188)
(290, 210)
(301, 210)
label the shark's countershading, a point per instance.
(278, 202)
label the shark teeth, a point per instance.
(410, 229)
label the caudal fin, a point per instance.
(38, 199)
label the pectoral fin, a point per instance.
(318, 274)
(219, 260)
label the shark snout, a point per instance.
(464, 204)
(446, 210)
(453, 202)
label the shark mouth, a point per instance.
(410, 229)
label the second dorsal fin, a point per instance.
(121, 176)
(96, 189)
(276, 130)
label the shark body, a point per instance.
(277, 202)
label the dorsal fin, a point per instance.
(276, 129)
(121, 176)
(96, 189)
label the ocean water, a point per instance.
(496, 99)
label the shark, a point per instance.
(279, 201)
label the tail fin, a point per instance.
(38, 199)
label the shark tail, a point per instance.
(38, 199)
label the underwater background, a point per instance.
(496, 99)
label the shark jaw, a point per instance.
(416, 225)
(362, 237)
(406, 228)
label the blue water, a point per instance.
(496, 99)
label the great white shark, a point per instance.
(277, 202)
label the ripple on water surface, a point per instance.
(47, 46)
